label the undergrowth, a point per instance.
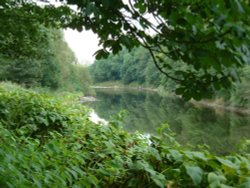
(47, 143)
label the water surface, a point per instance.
(220, 130)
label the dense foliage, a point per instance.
(241, 95)
(32, 49)
(45, 142)
(55, 68)
(136, 67)
(71, 151)
(127, 67)
(211, 38)
(23, 27)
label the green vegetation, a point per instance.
(240, 96)
(210, 38)
(194, 125)
(45, 143)
(125, 67)
(24, 27)
(56, 67)
(49, 142)
(137, 68)
(33, 52)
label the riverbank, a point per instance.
(213, 103)
(46, 142)
(193, 125)
(118, 85)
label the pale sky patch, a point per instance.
(83, 44)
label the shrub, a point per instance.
(78, 153)
(29, 114)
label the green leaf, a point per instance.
(176, 155)
(179, 91)
(227, 163)
(245, 184)
(37, 183)
(142, 7)
(195, 173)
(155, 153)
(239, 6)
(93, 180)
(216, 179)
(196, 155)
(159, 180)
(101, 54)
(225, 186)
(107, 3)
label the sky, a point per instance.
(83, 44)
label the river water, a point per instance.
(220, 130)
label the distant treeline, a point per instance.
(137, 67)
(53, 66)
(128, 67)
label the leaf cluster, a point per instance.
(24, 27)
(211, 38)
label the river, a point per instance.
(220, 130)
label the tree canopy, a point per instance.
(211, 38)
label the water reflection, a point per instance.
(192, 125)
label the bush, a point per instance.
(29, 114)
(78, 153)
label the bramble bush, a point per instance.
(47, 143)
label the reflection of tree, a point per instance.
(147, 111)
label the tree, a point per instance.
(210, 37)
(54, 68)
(133, 68)
(24, 27)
